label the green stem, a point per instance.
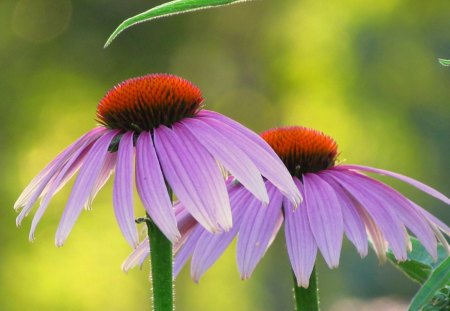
(162, 267)
(307, 299)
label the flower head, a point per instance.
(154, 127)
(338, 200)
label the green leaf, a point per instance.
(419, 264)
(438, 279)
(167, 9)
(444, 62)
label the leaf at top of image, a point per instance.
(167, 9)
(444, 62)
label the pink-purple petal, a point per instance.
(103, 177)
(407, 214)
(41, 187)
(353, 224)
(211, 246)
(137, 256)
(300, 242)
(152, 188)
(83, 185)
(36, 187)
(419, 185)
(325, 217)
(185, 251)
(194, 177)
(229, 155)
(123, 190)
(258, 224)
(265, 159)
(69, 169)
(385, 219)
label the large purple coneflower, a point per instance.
(338, 199)
(154, 127)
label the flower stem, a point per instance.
(161, 264)
(307, 299)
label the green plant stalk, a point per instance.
(161, 269)
(307, 299)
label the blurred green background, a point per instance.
(366, 73)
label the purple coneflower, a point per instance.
(338, 199)
(154, 127)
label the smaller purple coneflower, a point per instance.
(338, 199)
(154, 127)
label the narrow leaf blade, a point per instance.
(444, 62)
(167, 9)
(437, 280)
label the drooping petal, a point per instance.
(325, 217)
(353, 224)
(186, 223)
(211, 246)
(258, 224)
(385, 219)
(413, 220)
(83, 185)
(229, 155)
(421, 186)
(137, 256)
(185, 252)
(265, 159)
(41, 184)
(35, 188)
(433, 219)
(69, 169)
(194, 177)
(123, 190)
(152, 188)
(300, 242)
(105, 173)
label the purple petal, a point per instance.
(187, 249)
(37, 185)
(194, 177)
(405, 212)
(61, 178)
(40, 184)
(353, 224)
(137, 256)
(258, 224)
(301, 246)
(211, 246)
(325, 217)
(377, 207)
(406, 179)
(186, 224)
(152, 187)
(229, 155)
(123, 190)
(431, 218)
(83, 185)
(265, 159)
(105, 173)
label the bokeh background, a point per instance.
(364, 72)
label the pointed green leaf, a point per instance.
(438, 279)
(444, 62)
(419, 264)
(167, 9)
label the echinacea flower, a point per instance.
(338, 199)
(154, 127)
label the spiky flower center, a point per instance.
(144, 103)
(302, 150)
